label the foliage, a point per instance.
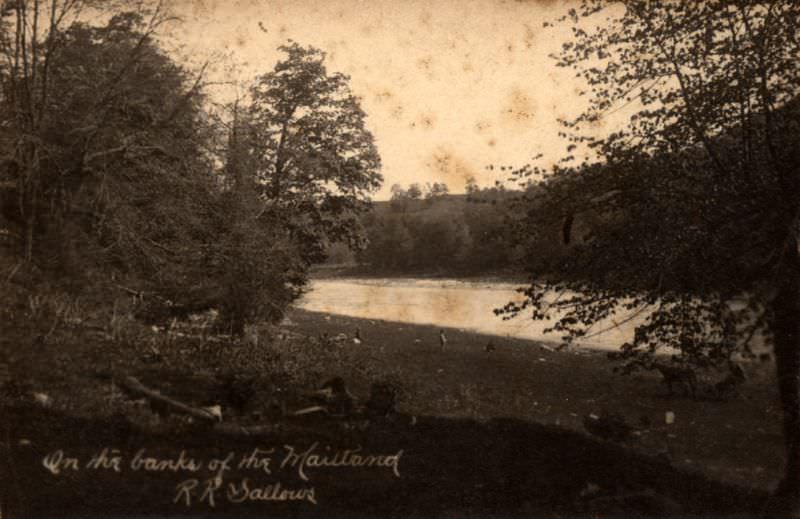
(110, 171)
(300, 166)
(111, 165)
(314, 160)
(442, 233)
(690, 211)
(676, 210)
(390, 243)
(436, 189)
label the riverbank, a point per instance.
(356, 271)
(481, 434)
(453, 303)
(738, 441)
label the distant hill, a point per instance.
(449, 234)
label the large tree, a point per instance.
(104, 138)
(314, 159)
(688, 215)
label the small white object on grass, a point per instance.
(215, 411)
(589, 489)
(669, 418)
(43, 399)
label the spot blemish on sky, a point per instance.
(482, 126)
(449, 168)
(425, 18)
(530, 36)
(458, 62)
(425, 64)
(383, 95)
(397, 112)
(519, 109)
(427, 121)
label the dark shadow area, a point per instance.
(448, 468)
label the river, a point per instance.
(450, 304)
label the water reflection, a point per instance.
(449, 303)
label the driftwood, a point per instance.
(133, 386)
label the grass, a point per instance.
(738, 441)
(483, 434)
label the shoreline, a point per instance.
(529, 380)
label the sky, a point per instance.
(451, 88)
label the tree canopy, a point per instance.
(103, 135)
(118, 172)
(314, 159)
(687, 216)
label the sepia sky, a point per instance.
(450, 87)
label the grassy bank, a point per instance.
(481, 434)
(737, 441)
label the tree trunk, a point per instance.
(30, 223)
(786, 329)
(133, 386)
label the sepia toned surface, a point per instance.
(184, 339)
(449, 87)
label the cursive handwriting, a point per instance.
(57, 461)
(313, 458)
(241, 492)
(206, 481)
(182, 463)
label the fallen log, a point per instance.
(133, 386)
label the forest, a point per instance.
(121, 177)
(436, 234)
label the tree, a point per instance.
(399, 199)
(694, 205)
(471, 186)
(125, 186)
(441, 240)
(41, 49)
(391, 244)
(491, 246)
(414, 191)
(398, 193)
(437, 189)
(119, 148)
(314, 160)
(253, 268)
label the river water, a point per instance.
(450, 304)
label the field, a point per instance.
(482, 434)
